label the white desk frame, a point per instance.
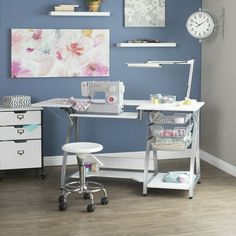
(73, 119)
(143, 106)
(155, 181)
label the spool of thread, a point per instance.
(88, 167)
(94, 167)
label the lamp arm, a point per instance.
(190, 77)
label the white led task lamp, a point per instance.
(159, 64)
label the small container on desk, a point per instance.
(162, 99)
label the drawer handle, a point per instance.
(20, 152)
(20, 131)
(20, 117)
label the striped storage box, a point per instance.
(16, 101)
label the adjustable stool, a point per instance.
(82, 150)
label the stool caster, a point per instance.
(86, 196)
(91, 208)
(104, 200)
(61, 198)
(43, 175)
(62, 203)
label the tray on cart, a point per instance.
(176, 132)
(171, 144)
(177, 118)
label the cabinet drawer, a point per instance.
(14, 155)
(20, 118)
(15, 133)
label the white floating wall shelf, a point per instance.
(78, 13)
(146, 45)
(144, 65)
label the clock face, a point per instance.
(200, 25)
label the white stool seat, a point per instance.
(82, 147)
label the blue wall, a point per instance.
(115, 135)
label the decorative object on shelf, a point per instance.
(78, 13)
(148, 13)
(176, 177)
(65, 8)
(93, 5)
(59, 53)
(200, 25)
(144, 41)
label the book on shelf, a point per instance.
(65, 7)
(144, 41)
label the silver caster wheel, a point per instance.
(104, 200)
(91, 208)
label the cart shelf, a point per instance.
(156, 181)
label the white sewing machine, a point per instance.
(114, 96)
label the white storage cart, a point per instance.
(173, 132)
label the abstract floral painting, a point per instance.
(145, 13)
(59, 53)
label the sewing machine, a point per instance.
(114, 96)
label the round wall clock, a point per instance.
(200, 25)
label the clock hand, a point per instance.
(201, 23)
(197, 23)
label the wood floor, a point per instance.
(29, 207)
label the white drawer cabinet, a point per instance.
(21, 138)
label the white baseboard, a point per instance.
(218, 163)
(135, 161)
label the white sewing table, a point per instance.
(73, 119)
(142, 106)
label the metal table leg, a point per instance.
(146, 167)
(68, 138)
(198, 167)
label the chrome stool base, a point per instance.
(87, 188)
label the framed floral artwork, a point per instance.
(59, 53)
(144, 13)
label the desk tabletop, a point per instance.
(171, 107)
(63, 102)
(123, 115)
(142, 105)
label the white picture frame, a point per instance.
(144, 13)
